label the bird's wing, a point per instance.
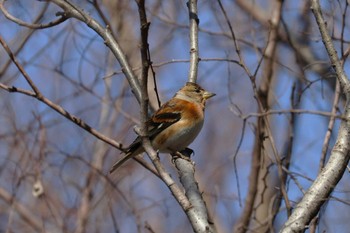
(160, 120)
(156, 124)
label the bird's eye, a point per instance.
(197, 90)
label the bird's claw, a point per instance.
(184, 154)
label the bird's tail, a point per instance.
(134, 149)
(121, 161)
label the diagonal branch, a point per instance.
(70, 10)
(38, 95)
(329, 177)
(22, 211)
(332, 53)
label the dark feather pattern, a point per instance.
(156, 125)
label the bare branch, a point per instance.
(198, 214)
(329, 177)
(73, 11)
(332, 53)
(330, 127)
(194, 49)
(20, 68)
(25, 213)
(38, 95)
(30, 25)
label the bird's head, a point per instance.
(194, 93)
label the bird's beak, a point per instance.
(208, 95)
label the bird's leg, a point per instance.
(184, 154)
(188, 152)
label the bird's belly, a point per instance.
(172, 139)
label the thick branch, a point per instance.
(329, 177)
(198, 214)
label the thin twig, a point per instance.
(25, 213)
(20, 22)
(71, 10)
(330, 127)
(172, 61)
(332, 53)
(295, 111)
(38, 95)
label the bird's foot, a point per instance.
(184, 154)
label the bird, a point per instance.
(174, 125)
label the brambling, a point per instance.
(174, 125)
